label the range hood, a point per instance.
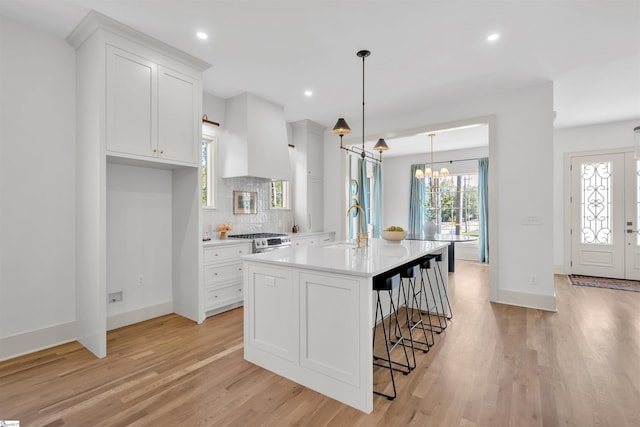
(255, 142)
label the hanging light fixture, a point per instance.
(342, 128)
(431, 172)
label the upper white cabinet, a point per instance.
(138, 102)
(151, 110)
(179, 106)
(307, 136)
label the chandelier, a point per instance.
(430, 172)
(342, 128)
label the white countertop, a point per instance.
(342, 257)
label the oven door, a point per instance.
(271, 248)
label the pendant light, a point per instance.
(342, 128)
(431, 172)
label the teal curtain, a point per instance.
(377, 200)
(416, 204)
(483, 209)
(363, 194)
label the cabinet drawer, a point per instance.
(216, 274)
(227, 253)
(217, 297)
(304, 241)
(325, 238)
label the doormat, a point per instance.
(603, 282)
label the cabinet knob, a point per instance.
(215, 274)
(215, 254)
(155, 150)
(240, 289)
(215, 296)
(161, 151)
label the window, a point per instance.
(280, 195)
(209, 151)
(452, 203)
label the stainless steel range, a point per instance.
(264, 242)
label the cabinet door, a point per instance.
(315, 204)
(131, 101)
(178, 117)
(315, 156)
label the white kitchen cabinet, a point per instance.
(151, 110)
(307, 136)
(134, 94)
(312, 240)
(223, 277)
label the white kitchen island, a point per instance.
(309, 312)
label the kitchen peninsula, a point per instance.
(309, 312)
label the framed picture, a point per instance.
(245, 202)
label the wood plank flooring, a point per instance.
(495, 365)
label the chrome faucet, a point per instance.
(362, 235)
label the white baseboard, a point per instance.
(29, 342)
(524, 299)
(120, 320)
(560, 269)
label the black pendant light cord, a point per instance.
(363, 54)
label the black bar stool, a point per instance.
(428, 263)
(410, 295)
(438, 258)
(414, 293)
(388, 284)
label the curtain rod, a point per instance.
(205, 119)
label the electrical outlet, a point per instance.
(534, 280)
(116, 297)
(140, 280)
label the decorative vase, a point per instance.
(223, 235)
(429, 229)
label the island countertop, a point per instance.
(344, 257)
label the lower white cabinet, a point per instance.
(223, 277)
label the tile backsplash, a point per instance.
(266, 220)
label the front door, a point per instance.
(604, 216)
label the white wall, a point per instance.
(37, 186)
(521, 143)
(138, 236)
(575, 140)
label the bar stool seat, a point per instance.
(388, 284)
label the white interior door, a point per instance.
(632, 218)
(604, 216)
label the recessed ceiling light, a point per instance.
(493, 37)
(308, 93)
(202, 35)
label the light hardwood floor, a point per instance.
(495, 365)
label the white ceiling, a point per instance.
(424, 53)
